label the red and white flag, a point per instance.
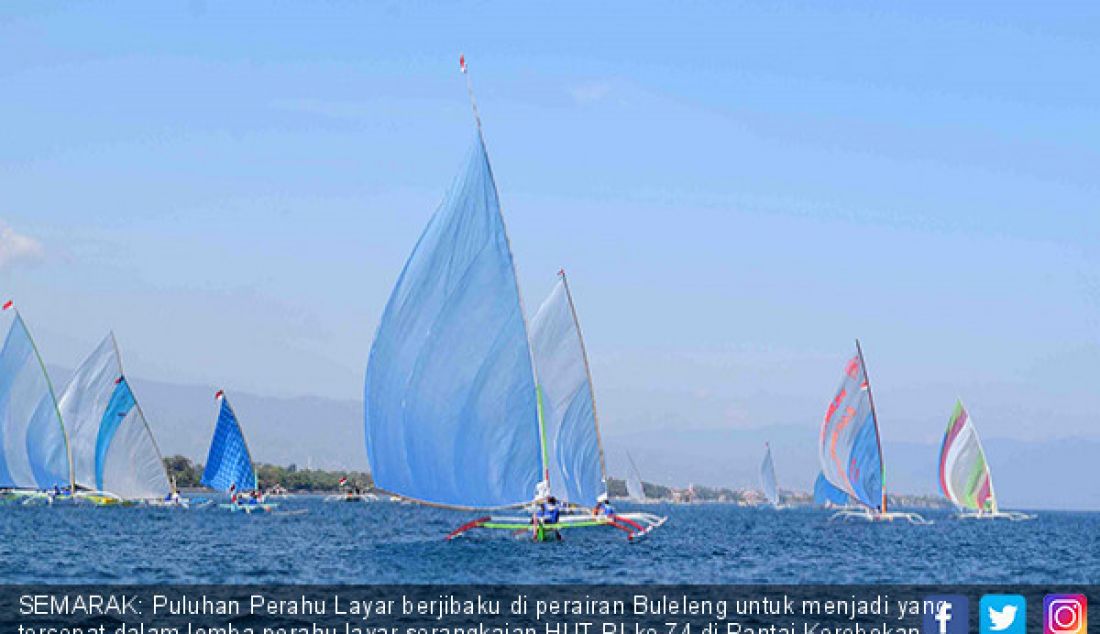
(8, 304)
(219, 394)
(343, 480)
(118, 380)
(462, 63)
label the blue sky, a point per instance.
(737, 189)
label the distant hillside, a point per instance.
(305, 431)
(328, 434)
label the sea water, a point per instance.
(394, 543)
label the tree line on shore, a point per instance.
(188, 474)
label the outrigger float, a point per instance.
(466, 407)
(851, 449)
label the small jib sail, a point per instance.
(34, 447)
(850, 448)
(634, 487)
(767, 477)
(113, 447)
(825, 494)
(965, 477)
(228, 464)
(568, 407)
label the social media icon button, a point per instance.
(1003, 614)
(945, 614)
(1065, 614)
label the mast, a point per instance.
(874, 418)
(588, 373)
(544, 451)
(53, 397)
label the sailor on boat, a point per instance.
(548, 514)
(603, 506)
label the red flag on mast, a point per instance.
(462, 63)
(8, 304)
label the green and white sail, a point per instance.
(964, 473)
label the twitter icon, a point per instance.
(1003, 614)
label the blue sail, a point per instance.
(450, 411)
(33, 444)
(228, 462)
(850, 454)
(826, 493)
(569, 411)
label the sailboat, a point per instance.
(115, 457)
(767, 477)
(965, 478)
(229, 466)
(850, 447)
(35, 460)
(454, 413)
(634, 487)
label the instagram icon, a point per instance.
(1065, 614)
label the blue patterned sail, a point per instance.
(767, 477)
(228, 465)
(450, 408)
(825, 493)
(34, 448)
(850, 451)
(568, 407)
(112, 444)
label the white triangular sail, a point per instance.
(634, 487)
(767, 477)
(112, 443)
(568, 406)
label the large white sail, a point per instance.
(112, 444)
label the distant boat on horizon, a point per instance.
(767, 477)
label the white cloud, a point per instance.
(590, 92)
(16, 247)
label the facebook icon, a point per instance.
(945, 614)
